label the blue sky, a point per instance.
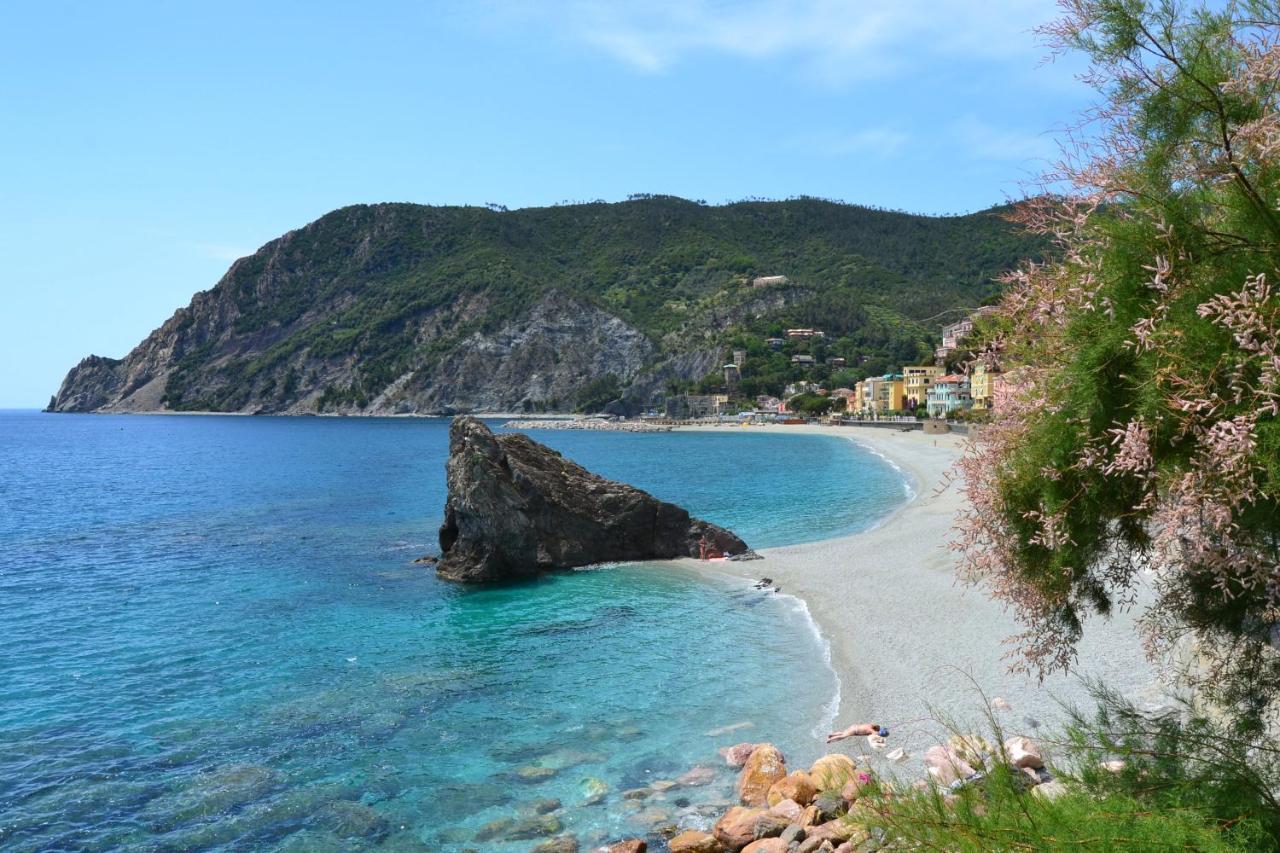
(144, 146)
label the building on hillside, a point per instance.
(953, 335)
(983, 383)
(843, 393)
(774, 343)
(765, 403)
(948, 395)
(883, 394)
(836, 361)
(691, 406)
(732, 375)
(804, 334)
(766, 280)
(794, 388)
(916, 379)
(802, 360)
(740, 358)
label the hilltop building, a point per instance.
(954, 334)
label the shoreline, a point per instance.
(906, 639)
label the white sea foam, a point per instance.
(908, 481)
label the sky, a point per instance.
(145, 146)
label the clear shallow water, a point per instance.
(211, 636)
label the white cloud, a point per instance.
(834, 39)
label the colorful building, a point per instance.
(982, 383)
(883, 394)
(949, 394)
(916, 380)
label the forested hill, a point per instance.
(391, 308)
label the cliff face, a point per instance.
(397, 308)
(516, 508)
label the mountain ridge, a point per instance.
(398, 308)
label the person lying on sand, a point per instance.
(858, 729)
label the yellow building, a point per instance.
(982, 386)
(916, 380)
(884, 393)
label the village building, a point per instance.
(774, 343)
(916, 380)
(804, 334)
(948, 395)
(983, 384)
(691, 406)
(740, 358)
(802, 360)
(883, 394)
(954, 334)
(732, 375)
(765, 403)
(766, 280)
(836, 361)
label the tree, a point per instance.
(1137, 428)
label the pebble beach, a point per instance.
(908, 641)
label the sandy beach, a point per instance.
(904, 635)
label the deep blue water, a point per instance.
(212, 636)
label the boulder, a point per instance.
(594, 791)
(832, 771)
(562, 844)
(766, 845)
(631, 845)
(809, 817)
(835, 831)
(789, 809)
(737, 755)
(972, 749)
(853, 788)
(1024, 752)
(765, 766)
(796, 785)
(769, 825)
(693, 841)
(516, 508)
(697, 776)
(945, 766)
(794, 833)
(737, 827)
(1049, 790)
(829, 806)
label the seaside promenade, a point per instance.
(905, 635)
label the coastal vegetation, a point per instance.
(1139, 432)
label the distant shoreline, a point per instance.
(904, 635)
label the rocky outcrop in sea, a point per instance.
(516, 508)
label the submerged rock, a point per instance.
(516, 508)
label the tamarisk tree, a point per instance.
(1136, 433)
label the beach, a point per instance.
(906, 638)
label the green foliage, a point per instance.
(357, 285)
(598, 393)
(1178, 781)
(813, 404)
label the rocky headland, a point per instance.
(516, 508)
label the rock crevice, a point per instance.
(516, 508)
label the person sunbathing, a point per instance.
(858, 729)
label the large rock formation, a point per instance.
(516, 508)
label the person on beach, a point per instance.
(858, 729)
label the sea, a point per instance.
(213, 636)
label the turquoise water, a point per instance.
(212, 637)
